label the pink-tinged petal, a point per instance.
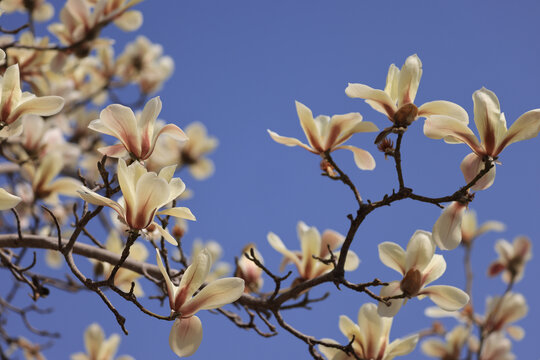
(179, 212)
(409, 80)
(495, 268)
(393, 256)
(522, 247)
(515, 332)
(471, 165)
(127, 178)
(525, 127)
(392, 289)
(96, 199)
(504, 249)
(186, 336)
(129, 20)
(487, 117)
(362, 158)
(289, 141)
(400, 347)
(377, 99)
(351, 262)
(310, 242)
(122, 122)
(434, 348)
(442, 107)
(330, 239)
(151, 193)
(195, 275)
(451, 130)
(376, 329)
(278, 245)
(434, 270)
(65, 186)
(420, 250)
(166, 235)
(11, 91)
(338, 127)
(7, 200)
(448, 298)
(214, 295)
(44, 106)
(114, 151)
(308, 125)
(171, 130)
(447, 228)
(97, 125)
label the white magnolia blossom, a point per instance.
(371, 337)
(450, 348)
(397, 99)
(313, 244)
(326, 134)
(512, 259)
(186, 333)
(470, 229)
(502, 311)
(99, 348)
(447, 228)
(497, 347)
(494, 136)
(419, 266)
(249, 271)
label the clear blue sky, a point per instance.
(240, 65)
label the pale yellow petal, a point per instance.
(186, 336)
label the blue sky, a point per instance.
(239, 67)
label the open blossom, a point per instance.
(313, 244)
(371, 337)
(494, 136)
(193, 152)
(137, 136)
(14, 103)
(470, 229)
(497, 347)
(249, 271)
(501, 311)
(7, 200)
(144, 194)
(419, 266)
(99, 348)
(512, 258)
(326, 134)
(186, 333)
(451, 348)
(397, 99)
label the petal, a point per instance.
(214, 295)
(8, 201)
(420, 250)
(377, 99)
(65, 186)
(363, 159)
(93, 339)
(179, 212)
(44, 106)
(392, 289)
(401, 347)
(351, 262)
(516, 332)
(504, 249)
(393, 256)
(278, 245)
(392, 80)
(151, 193)
(171, 130)
(434, 348)
(122, 123)
(93, 198)
(186, 336)
(447, 228)
(448, 298)
(308, 125)
(330, 239)
(376, 329)
(525, 127)
(176, 188)
(451, 130)
(166, 235)
(289, 141)
(170, 286)
(332, 353)
(114, 151)
(129, 21)
(409, 79)
(471, 165)
(196, 273)
(310, 243)
(487, 117)
(349, 328)
(442, 107)
(434, 270)
(202, 169)
(11, 90)
(491, 226)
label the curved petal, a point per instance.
(168, 283)
(278, 245)
(451, 130)
(447, 297)
(330, 239)
(171, 130)
(65, 186)
(122, 122)
(392, 80)
(471, 165)
(525, 127)
(420, 250)
(447, 228)
(93, 339)
(129, 20)
(195, 274)
(7, 200)
(391, 310)
(352, 261)
(44, 106)
(400, 347)
(114, 151)
(93, 198)
(393, 256)
(377, 99)
(487, 117)
(214, 295)
(376, 329)
(504, 249)
(289, 141)
(151, 193)
(409, 80)
(350, 329)
(186, 336)
(202, 169)
(442, 107)
(434, 270)
(434, 348)
(176, 188)
(310, 243)
(308, 125)
(166, 235)
(491, 226)
(179, 212)
(332, 353)
(363, 159)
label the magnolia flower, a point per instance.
(249, 271)
(470, 229)
(14, 103)
(99, 348)
(419, 266)
(313, 244)
(397, 99)
(30, 350)
(494, 136)
(450, 349)
(137, 136)
(144, 193)
(512, 259)
(7, 200)
(193, 152)
(501, 311)
(186, 332)
(326, 134)
(496, 347)
(371, 337)
(447, 228)
(40, 9)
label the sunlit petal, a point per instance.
(186, 336)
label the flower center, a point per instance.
(405, 115)
(411, 283)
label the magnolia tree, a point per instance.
(86, 174)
